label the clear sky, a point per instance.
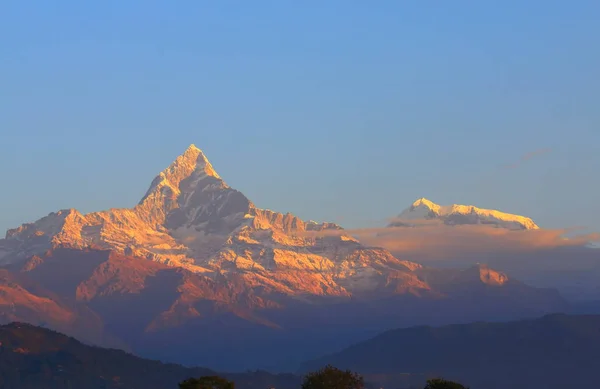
(334, 110)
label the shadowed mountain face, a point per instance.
(149, 305)
(553, 352)
(24, 300)
(136, 296)
(33, 358)
(195, 262)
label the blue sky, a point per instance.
(340, 110)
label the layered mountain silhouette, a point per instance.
(32, 357)
(195, 262)
(553, 352)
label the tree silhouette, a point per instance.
(439, 383)
(207, 382)
(330, 377)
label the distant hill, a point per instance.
(33, 358)
(555, 351)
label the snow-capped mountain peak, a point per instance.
(191, 218)
(426, 203)
(424, 209)
(177, 186)
(192, 162)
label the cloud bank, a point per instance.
(543, 258)
(432, 240)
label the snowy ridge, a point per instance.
(424, 209)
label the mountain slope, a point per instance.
(33, 357)
(151, 295)
(149, 304)
(553, 352)
(23, 300)
(423, 209)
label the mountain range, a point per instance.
(195, 262)
(32, 357)
(190, 218)
(552, 352)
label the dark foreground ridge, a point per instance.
(32, 358)
(553, 352)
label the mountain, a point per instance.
(552, 352)
(196, 262)
(572, 270)
(191, 218)
(493, 292)
(423, 209)
(33, 357)
(149, 305)
(515, 244)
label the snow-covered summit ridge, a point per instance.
(175, 186)
(462, 214)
